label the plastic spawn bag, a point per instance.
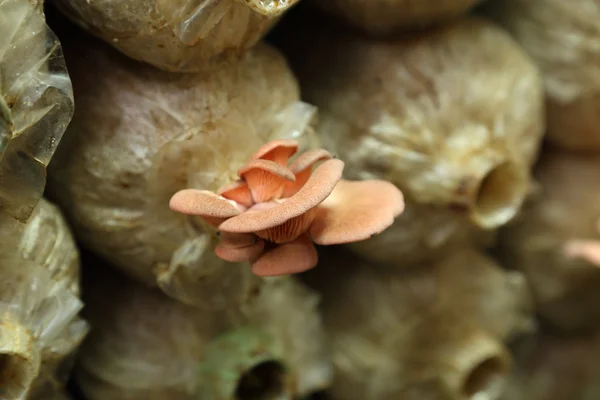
(140, 134)
(36, 104)
(39, 287)
(176, 35)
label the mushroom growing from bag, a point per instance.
(555, 242)
(36, 104)
(177, 35)
(436, 329)
(147, 346)
(39, 287)
(272, 215)
(453, 117)
(562, 38)
(385, 17)
(139, 135)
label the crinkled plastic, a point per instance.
(39, 324)
(148, 346)
(454, 117)
(562, 37)
(39, 328)
(287, 311)
(556, 368)
(177, 35)
(243, 349)
(437, 329)
(139, 135)
(144, 345)
(385, 17)
(47, 240)
(566, 209)
(36, 104)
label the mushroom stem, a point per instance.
(243, 365)
(19, 362)
(476, 365)
(499, 194)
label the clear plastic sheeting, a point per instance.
(36, 104)
(436, 331)
(562, 38)
(453, 117)
(39, 305)
(550, 241)
(148, 346)
(194, 19)
(47, 241)
(556, 368)
(177, 35)
(269, 7)
(38, 328)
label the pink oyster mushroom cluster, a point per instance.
(586, 249)
(273, 215)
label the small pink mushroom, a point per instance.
(273, 215)
(586, 249)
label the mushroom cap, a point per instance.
(237, 191)
(356, 210)
(292, 257)
(320, 184)
(302, 168)
(204, 203)
(277, 150)
(266, 166)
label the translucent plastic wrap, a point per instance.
(453, 117)
(36, 104)
(139, 135)
(540, 243)
(562, 37)
(177, 35)
(384, 17)
(554, 368)
(144, 344)
(147, 346)
(39, 326)
(47, 241)
(432, 332)
(287, 311)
